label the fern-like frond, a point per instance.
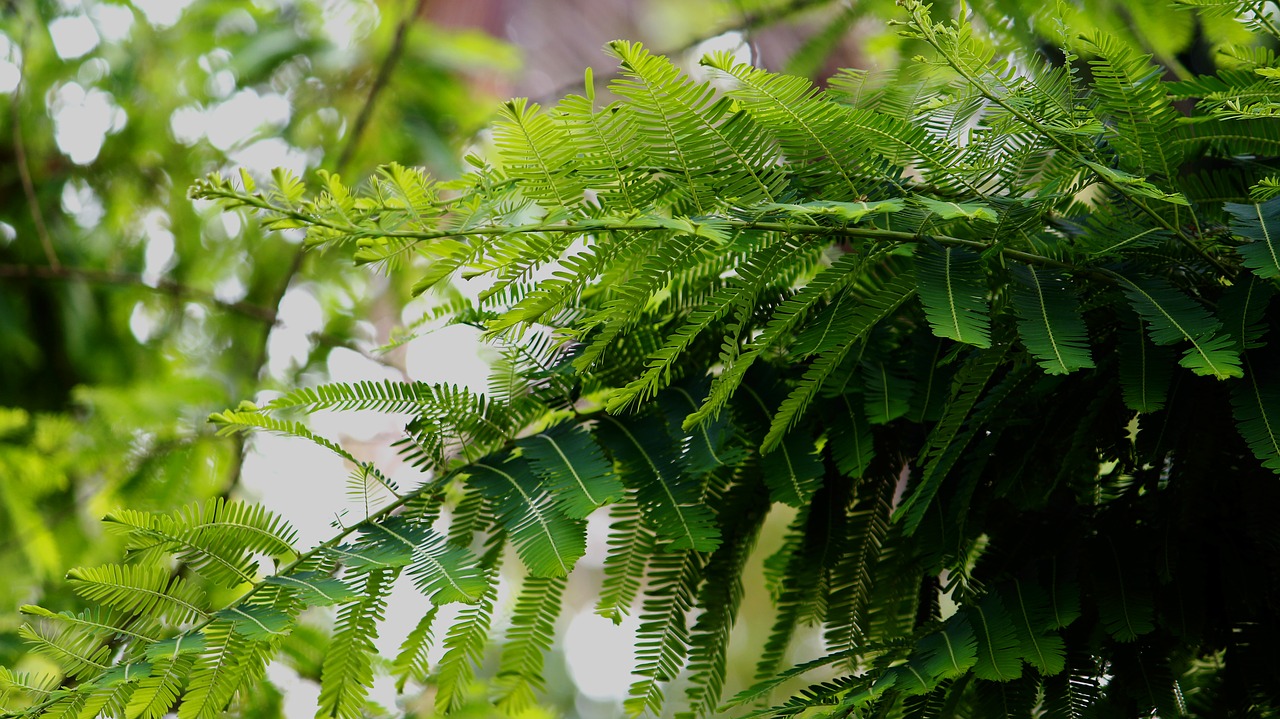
(537, 151)
(412, 662)
(1256, 401)
(1260, 225)
(548, 541)
(158, 692)
(876, 297)
(719, 155)
(149, 592)
(78, 654)
(670, 500)
(947, 440)
(573, 469)
(348, 664)
(1173, 317)
(663, 639)
(215, 675)
(520, 677)
(954, 293)
(1049, 323)
(999, 654)
(465, 642)
(630, 543)
(1034, 620)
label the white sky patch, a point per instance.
(290, 341)
(230, 289)
(73, 36)
(187, 124)
(346, 22)
(239, 116)
(82, 119)
(365, 425)
(113, 22)
(10, 65)
(450, 355)
(303, 482)
(80, 201)
(600, 654)
(733, 42)
(261, 157)
(159, 256)
(162, 13)
(143, 322)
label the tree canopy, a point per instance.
(990, 333)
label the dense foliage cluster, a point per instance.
(998, 332)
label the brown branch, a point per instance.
(24, 168)
(379, 84)
(63, 273)
(750, 21)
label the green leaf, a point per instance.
(1146, 369)
(670, 500)
(547, 541)
(442, 571)
(412, 661)
(314, 588)
(1033, 617)
(520, 672)
(348, 664)
(849, 436)
(573, 468)
(1173, 317)
(953, 289)
(1256, 402)
(792, 471)
(958, 211)
(151, 592)
(1260, 225)
(999, 653)
(1049, 321)
(257, 623)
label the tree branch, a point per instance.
(750, 21)
(379, 83)
(24, 168)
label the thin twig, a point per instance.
(750, 21)
(20, 150)
(358, 129)
(64, 273)
(379, 83)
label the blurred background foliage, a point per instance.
(128, 313)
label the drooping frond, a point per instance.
(573, 468)
(520, 678)
(548, 541)
(669, 499)
(1049, 323)
(1260, 225)
(348, 664)
(1173, 317)
(952, 288)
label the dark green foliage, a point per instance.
(1010, 497)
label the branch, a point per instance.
(24, 168)
(380, 83)
(64, 273)
(295, 265)
(750, 21)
